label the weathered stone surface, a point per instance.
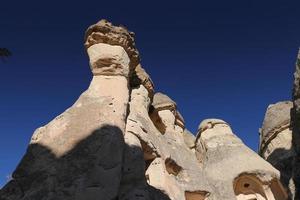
(74, 156)
(108, 60)
(179, 120)
(163, 107)
(171, 166)
(121, 141)
(140, 76)
(163, 102)
(189, 138)
(105, 32)
(219, 151)
(296, 128)
(277, 119)
(280, 138)
(276, 141)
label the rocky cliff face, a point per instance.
(121, 140)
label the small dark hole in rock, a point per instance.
(246, 185)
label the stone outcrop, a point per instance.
(104, 32)
(121, 140)
(75, 155)
(235, 171)
(280, 138)
(276, 141)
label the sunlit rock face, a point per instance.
(276, 141)
(79, 154)
(235, 171)
(106, 33)
(121, 140)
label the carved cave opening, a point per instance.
(249, 187)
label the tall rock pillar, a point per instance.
(79, 154)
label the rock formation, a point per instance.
(276, 141)
(121, 140)
(229, 163)
(280, 138)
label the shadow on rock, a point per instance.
(295, 119)
(284, 165)
(91, 170)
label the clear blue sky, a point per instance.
(223, 59)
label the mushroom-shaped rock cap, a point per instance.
(163, 102)
(277, 118)
(105, 32)
(209, 123)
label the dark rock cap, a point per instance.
(105, 32)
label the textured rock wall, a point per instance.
(121, 140)
(296, 127)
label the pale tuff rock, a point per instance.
(179, 120)
(280, 138)
(209, 124)
(276, 141)
(108, 60)
(189, 138)
(163, 102)
(75, 155)
(171, 166)
(122, 141)
(219, 151)
(277, 119)
(165, 108)
(79, 154)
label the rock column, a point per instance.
(79, 154)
